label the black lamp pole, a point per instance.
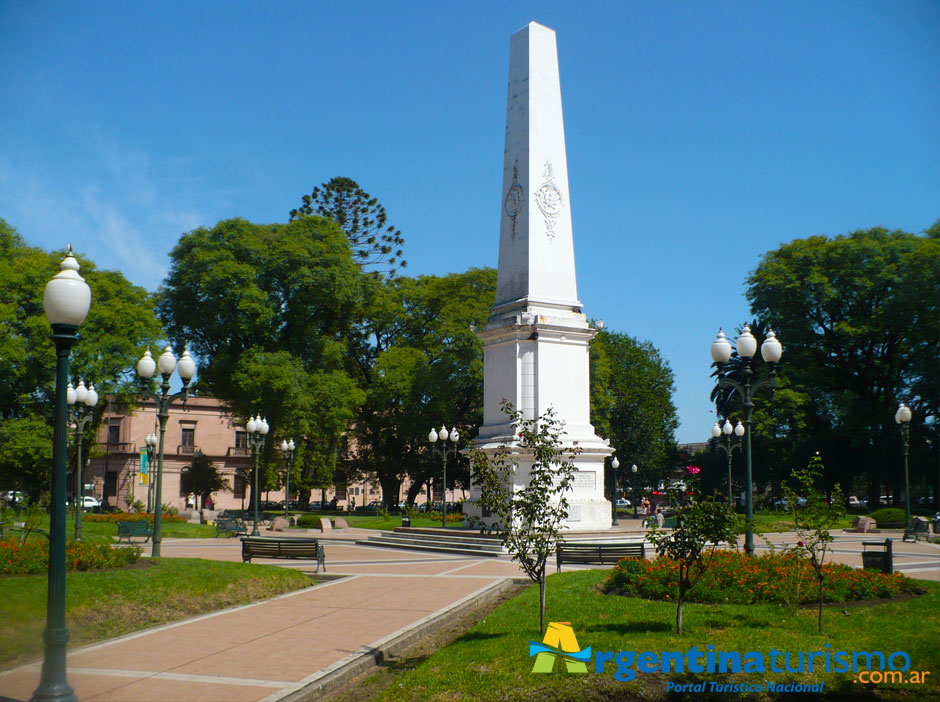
(615, 464)
(146, 366)
(66, 301)
(81, 411)
(725, 443)
(257, 429)
(903, 419)
(287, 449)
(721, 355)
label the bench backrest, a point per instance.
(138, 527)
(600, 551)
(280, 547)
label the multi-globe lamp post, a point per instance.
(151, 443)
(728, 445)
(443, 435)
(66, 301)
(746, 346)
(287, 450)
(81, 402)
(257, 429)
(146, 367)
(903, 419)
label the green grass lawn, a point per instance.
(491, 660)
(374, 521)
(105, 604)
(768, 522)
(102, 533)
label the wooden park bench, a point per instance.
(597, 553)
(230, 526)
(128, 529)
(268, 547)
(919, 529)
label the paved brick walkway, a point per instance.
(265, 651)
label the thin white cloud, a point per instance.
(114, 211)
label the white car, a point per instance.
(623, 503)
(853, 502)
(88, 502)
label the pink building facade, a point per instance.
(114, 471)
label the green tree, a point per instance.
(375, 243)
(26, 454)
(424, 367)
(814, 519)
(528, 519)
(631, 403)
(202, 478)
(120, 321)
(858, 316)
(269, 311)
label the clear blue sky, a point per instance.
(700, 135)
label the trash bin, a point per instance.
(936, 524)
(405, 522)
(882, 560)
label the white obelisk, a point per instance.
(536, 340)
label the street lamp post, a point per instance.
(81, 402)
(903, 419)
(146, 367)
(728, 446)
(151, 443)
(770, 350)
(257, 429)
(633, 469)
(66, 301)
(615, 464)
(287, 449)
(443, 448)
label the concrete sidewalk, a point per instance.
(268, 650)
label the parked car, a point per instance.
(854, 502)
(782, 503)
(623, 503)
(373, 506)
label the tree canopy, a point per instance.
(119, 323)
(858, 316)
(631, 402)
(376, 245)
(267, 310)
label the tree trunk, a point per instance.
(542, 602)
(820, 604)
(679, 609)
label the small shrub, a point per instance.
(451, 517)
(309, 521)
(32, 557)
(889, 517)
(739, 579)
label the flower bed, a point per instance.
(33, 556)
(129, 517)
(737, 579)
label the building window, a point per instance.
(238, 484)
(241, 439)
(114, 434)
(188, 440)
